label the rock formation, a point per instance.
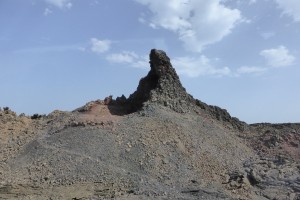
(161, 85)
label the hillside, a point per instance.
(159, 143)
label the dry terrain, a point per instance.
(159, 143)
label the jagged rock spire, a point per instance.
(161, 85)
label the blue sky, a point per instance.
(241, 55)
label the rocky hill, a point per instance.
(159, 143)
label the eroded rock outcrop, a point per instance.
(161, 85)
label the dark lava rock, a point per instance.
(161, 85)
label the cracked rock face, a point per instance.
(161, 85)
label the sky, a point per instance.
(241, 55)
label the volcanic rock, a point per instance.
(161, 85)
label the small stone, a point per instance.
(165, 161)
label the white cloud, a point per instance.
(239, 2)
(142, 62)
(124, 57)
(142, 20)
(278, 57)
(267, 35)
(96, 2)
(100, 46)
(189, 66)
(252, 2)
(197, 23)
(250, 70)
(81, 49)
(47, 12)
(62, 4)
(290, 8)
(194, 67)
(129, 57)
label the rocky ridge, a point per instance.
(162, 86)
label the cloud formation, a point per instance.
(124, 57)
(62, 4)
(197, 23)
(194, 67)
(47, 12)
(278, 57)
(250, 70)
(188, 66)
(99, 46)
(267, 35)
(290, 8)
(129, 57)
